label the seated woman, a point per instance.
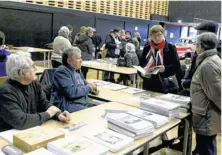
(3, 54)
(164, 55)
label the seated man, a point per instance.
(23, 103)
(69, 88)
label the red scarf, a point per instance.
(158, 58)
(159, 46)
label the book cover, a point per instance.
(149, 72)
(133, 90)
(115, 87)
(113, 140)
(76, 145)
(34, 138)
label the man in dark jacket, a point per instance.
(97, 41)
(210, 26)
(23, 103)
(113, 46)
(85, 44)
(69, 87)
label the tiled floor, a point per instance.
(92, 74)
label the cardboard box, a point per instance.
(35, 138)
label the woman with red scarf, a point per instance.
(164, 55)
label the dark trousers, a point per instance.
(84, 71)
(55, 64)
(109, 76)
(205, 145)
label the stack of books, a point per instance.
(157, 120)
(41, 151)
(113, 140)
(133, 90)
(76, 145)
(115, 86)
(130, 125)
(183, 101)
(161, 107)
(100, 82)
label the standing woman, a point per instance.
(164, 55)
(60, 44)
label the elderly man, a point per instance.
(69, 87)
(23, 103)
(206, 95)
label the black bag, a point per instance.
(121, 62)
(170, 84)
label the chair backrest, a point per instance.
(46, 81)
(2, 69)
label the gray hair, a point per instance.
(16, 62)
(2, 35)
(130, 47)
(90, 29)
(64, 32)
(207, 40)
(69, 52)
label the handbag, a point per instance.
(169, 83)
(121, 62)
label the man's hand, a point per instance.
(64, 117)
(52, 111)
(162, 68)
(92, 86)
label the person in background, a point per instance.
(70, 27)
(85, 44)
(122, 34)
(60, 43)
(137, 40)
(97, 41)
(206, 95)
(82, 31)
(164, 55)
(210, 26)
(128, 37)
(3, 54)
(113, 46)
(131, 60)
(23, 102)
(69, 87)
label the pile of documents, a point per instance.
(76, 145)
(130, 125)
(156, 119)
(183, 101)
(133, 90)
(115, 86)
(100, 82)
(113, 140)
(161, 107)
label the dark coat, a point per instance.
(172, 67)
(110, 46)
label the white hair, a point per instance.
(16, 62)
(130, 47)
(64, 31)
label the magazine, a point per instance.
(149, 72)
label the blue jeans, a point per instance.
(205, 145)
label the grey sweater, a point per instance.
(22, 106)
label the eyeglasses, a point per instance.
(157, 35)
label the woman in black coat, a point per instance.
(164, 55)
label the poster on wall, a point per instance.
(171, 35)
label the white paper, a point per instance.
(8, 135)
(115, 87)
(132, 90)
(41, 151)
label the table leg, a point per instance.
(146, 149)
(48, 58)
(44, 59)
(134, 80)
(97, 74)
(186, 136)
(103, 75)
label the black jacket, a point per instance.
(110, 46)
(172, 67)
(97, 41)
(22, 106)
